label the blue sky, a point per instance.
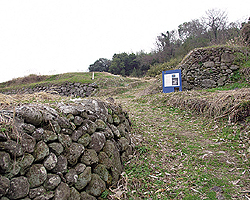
(58, 36)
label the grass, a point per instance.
(181, 150)
(180, 160)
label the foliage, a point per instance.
(101, 65)
(212, 29)
(158, 68)
(124, 64)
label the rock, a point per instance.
(80, 167)
(60, 156)
(49, 136)
(56, 148)
(116, 119)
(41, 151)
(113, 153)
(12, 147)
(208, 83)
(25, 162)
(54, 126)
(29, 128)
(126, 154)
(71, 177)
(100, 125)
(67, 109)
(102, 172)
(91, 126)
(62, 192)
(76, 135)
(83, 179)
(50, 162)
(19, 188)
(13, 171)
(108, 133)
(209, 64)
(116, 132)
(70, 117)
(96, 186)
(105, 160)
(52, 181)
(61, 165)
(66, 131)
(121, 128)
(74, 194)
(89, 157)
(28, 143)
(74, 152)
(45, 196)
(65, 140)
(123, 143)
(4, 185)
(234, 67)
(35, 192)
(31, 114)
(78, 120)
(97, 141)
(5, 162)
(85, 140)
(227, 57)
(63, 122)
(110, 119)
(38, 134)
(86, 196)
(36, 175)
(220, 82)
(3, 137)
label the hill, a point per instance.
(188, 145)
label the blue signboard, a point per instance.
(171, 81)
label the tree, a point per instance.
(245, 33)
(192, 34)
(101, 65)
(216, 21)
(124, 64)
(191, 29)
(166, 45)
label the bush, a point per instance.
(158, 68)
(245, 33)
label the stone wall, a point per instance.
(68, 152)
(65, 89)
(209, 67)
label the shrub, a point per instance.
(158, 68)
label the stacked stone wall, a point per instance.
(65, 89)
(209, 67)
(64, 152)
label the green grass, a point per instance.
(183, 155)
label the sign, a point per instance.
(171, 81)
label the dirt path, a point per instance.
(181, 155)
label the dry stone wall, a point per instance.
(65, 89)
(208, 67)
(65, 152)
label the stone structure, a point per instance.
(71, 151)
(65, 89)
(208, 67)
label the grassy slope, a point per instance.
(182, 155)
(179, 154)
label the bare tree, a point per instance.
(191, 29)
(215, 21)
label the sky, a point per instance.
(57, 36)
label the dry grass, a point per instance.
(234, 104)
(7, 101)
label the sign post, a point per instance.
(171, 81)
